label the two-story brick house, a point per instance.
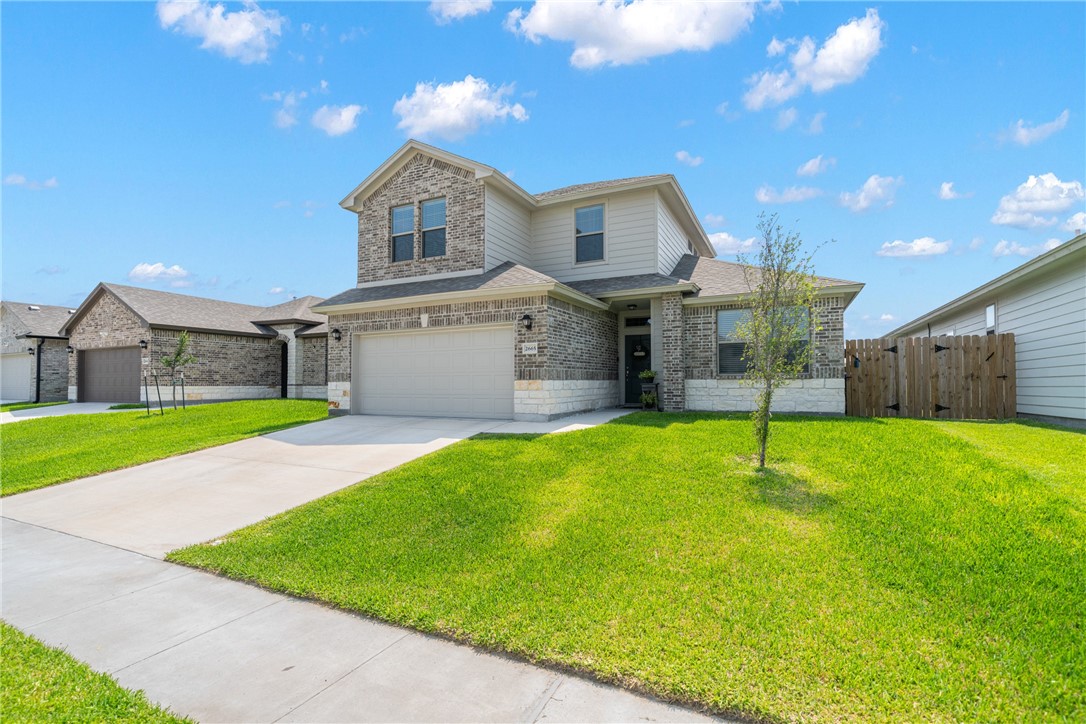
(475, 298)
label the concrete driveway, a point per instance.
(71, 408)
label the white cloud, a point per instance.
(287, 115)
(446, 11)
(174, 275)
(947, 192)
(685, 123)
(1033, 202)
(276, 290)
(842, 59)
(886, 317)
(724, 110)
(924, 246)
(776, 47)
(877, 191)
(455, 110)
(1076, 223)
(815, 166)
(17, 179)
(768, 195)
(786, 118)
(684, 157)
(728, 245)
(976, 243)
(815, 126)
(715, 219)
(248, 34)
(1013, 248)
(1026, 135)
(611, 32)
(337, 120)
(52, 269)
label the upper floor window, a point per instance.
(990, 319)
(588, 240)
(433, 227)
(730, 348)
(403, 233)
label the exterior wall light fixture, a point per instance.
(526, 320)
(337, 335)
(143, 344)
(71, 349)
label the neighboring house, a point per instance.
(1043, 302)
(119, 335)
(476, 298)
(33, 354)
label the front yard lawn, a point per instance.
(39, 683)
(888, 569)
(37, 453)
(12, 406)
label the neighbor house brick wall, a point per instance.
(314, 361)
(221, 360)
(420, 179)
(54, 370)
(672, 387)
(108, 323)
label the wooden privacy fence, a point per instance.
(950, 377)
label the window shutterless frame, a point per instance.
(589, 234)
(403, 233)
(730, 348)
(433, 228)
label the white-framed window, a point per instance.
(588, 234)
(990, 319)
(433, 228)
(730, 348)
(403, 233)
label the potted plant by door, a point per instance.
(647, 375)
(648, 400)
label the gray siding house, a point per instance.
(1043, 302)
(33, 352)
(475, 298)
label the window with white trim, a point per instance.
(730, 348)
(433, 228)
(403, 233)
(990, 319)
(588, 235)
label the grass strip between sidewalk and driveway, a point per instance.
(13, 406)
(883, 569)
(50, 450)
(40, 683)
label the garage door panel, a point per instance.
(445, 373)
(111, 375)
(15, 373)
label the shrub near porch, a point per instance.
(889, 569)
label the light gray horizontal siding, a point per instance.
(630, 227)
(673, 242)
(508, 231)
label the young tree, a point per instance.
(777, 330)
(174, 362)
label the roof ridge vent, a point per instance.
(33, 307)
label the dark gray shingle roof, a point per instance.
(715, 277)
(505, 275)
(40, 320)
(596, 186)
(317, 330)
(180, 311)
(602, 287)
(296, 310)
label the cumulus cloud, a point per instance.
(276, 290)
(337, 120)
(815, 126)
(455, 110)
(786, 118)
(1076, 223)
(886, 317)
(776, 47)
(17, 179)
(842, 59)
(248, 34)
(924, 246)
(715, 219)
(1025, 134)
(877, 192)
(446, 11)
(815, 166)
(976, 243)
(724, 109)
(728, 245)
(766, 194)
(611, 32)
(947, 192)
(1013, 248)
(1035, 202)
(287, 115)
(175, 275)
(685, 158)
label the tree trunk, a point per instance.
(763, 428)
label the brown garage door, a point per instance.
(110, 375)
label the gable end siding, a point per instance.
(673, 242)
(508, 231)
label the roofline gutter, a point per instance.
(649, 291)
(553, 289)
(1063, 250)
(848, 289)
(205, 330)
(31, 335)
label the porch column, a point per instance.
(673, 387)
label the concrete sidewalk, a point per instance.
(222, 651)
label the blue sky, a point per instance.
(204, 148)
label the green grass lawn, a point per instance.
(39, 683)
(37, 453)
(887, 569)
(12, 406)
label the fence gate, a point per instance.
(949, 377)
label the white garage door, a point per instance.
(15, 377)
(466, 373)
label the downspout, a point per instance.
(37, 372)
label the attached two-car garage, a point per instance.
(110, 375)
(436, 373)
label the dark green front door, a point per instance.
(638, 360)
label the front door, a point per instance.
(638, 360)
